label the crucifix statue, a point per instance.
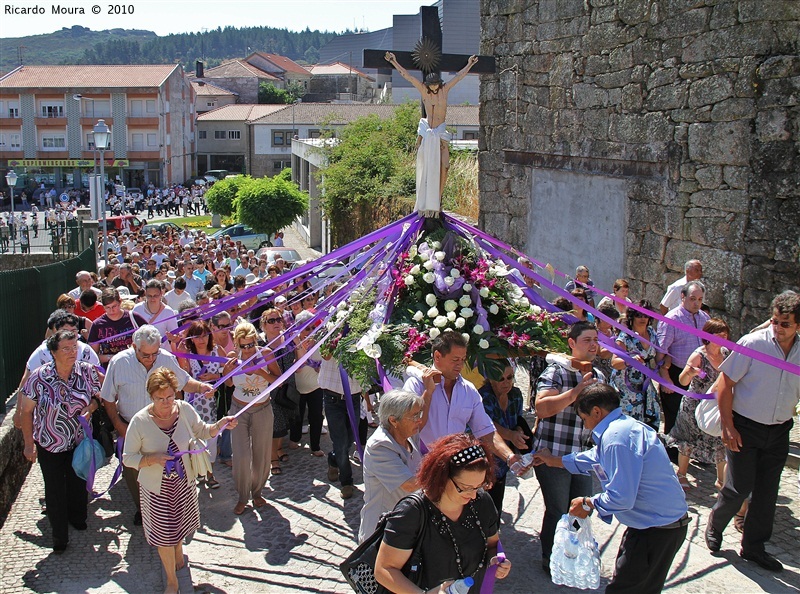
(433, 152)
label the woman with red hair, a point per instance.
(453, 525)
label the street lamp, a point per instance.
(294, 132)
(11, 180)
(101, 135)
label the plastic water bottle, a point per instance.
(517, 467)
(461, 586)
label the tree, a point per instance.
(221, 197)
(269, 204)
(270, 94)
(295, 90)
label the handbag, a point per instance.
(103, 429)
(89, 456)
(359, 568)
(707, 414)
(199, 458)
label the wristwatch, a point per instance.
(586, 506)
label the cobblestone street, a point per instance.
(296, 542)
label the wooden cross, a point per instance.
(432, 36)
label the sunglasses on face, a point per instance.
(273, 320)
(224, 326)
(249, 345)
(775, 322)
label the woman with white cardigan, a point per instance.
(156, 433)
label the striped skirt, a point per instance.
(170, 517)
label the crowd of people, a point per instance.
(132, 343)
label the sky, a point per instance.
(179, 16)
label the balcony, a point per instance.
(142, 121)
(51, 121)
(90, 122)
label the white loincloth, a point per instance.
(429, 159)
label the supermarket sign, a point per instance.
(65, 163)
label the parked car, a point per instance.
(195, 181)
(151, 228)
(289, 255)
(217, 173)
(320, 275)
(249, 238)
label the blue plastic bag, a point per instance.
(89, 455)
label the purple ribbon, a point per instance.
(781, 364)
(487, 586)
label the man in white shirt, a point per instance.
(242, 269)
(178, 294)
(155, 311)
(186, 238)
(84, 281)
(123, 390)
(693, 270)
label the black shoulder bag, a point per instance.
(359, 568)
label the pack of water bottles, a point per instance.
(575, 560)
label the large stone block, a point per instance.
(654, 246)
(588, 95)
(733, 109)
(683, 24)
(614, 80)
(750, 39)
(650, 127)
(662, 76)
(725, 200)
(707, 91)
(709, 177)
(563, 70)
(643, 268)
(773, 125)
(633, 12)
(779, 67)
(555, 10)
(666, 97)
(667, 220)
(631, 97)
(722, 143)
(736, 177)
(606, 36)
(723, 15)
(769, 10)
(721, 232)
(561, 29)
(621, 58)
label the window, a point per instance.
(52, 109)
(137, 108)
(314, 133)
(210, 103)
(137, 141)
(90, 141)
(201, 134)
(470, 135)
(96, 109)
(143, 108)
(220, 135)
(150, 107)
(54, 142)
(234, 135)
(152, 140)
(15, 142)
(282, 137)
(9, 109)
(279, 166)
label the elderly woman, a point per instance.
(53, 397)
(169, 499)
(252, 439)
(503, 402)
(638, 397)
(392, 457)
(456, 521)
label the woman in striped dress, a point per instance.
(156, 433)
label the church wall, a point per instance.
(691, 104)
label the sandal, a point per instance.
(276, 468)
(293, 445)
(212, 483)
(283, 457)
(738, 522)
(239, 509)
(685, 485)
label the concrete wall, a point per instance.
(693, 104)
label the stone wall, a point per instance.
(693, 102)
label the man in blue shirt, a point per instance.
(640, 488)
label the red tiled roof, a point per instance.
(76, 77)
(343, 113)
(239, 113)
(238, 68)
(282, 62)
(204, 88)
(336, 69)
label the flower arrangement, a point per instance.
(443, 283)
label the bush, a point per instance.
(221, 197)
(268, 205)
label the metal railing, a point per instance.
(64, 239)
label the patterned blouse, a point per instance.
(58, 403)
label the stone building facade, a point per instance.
(633, 135)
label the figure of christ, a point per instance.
(433, 151)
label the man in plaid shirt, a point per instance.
(559, 428)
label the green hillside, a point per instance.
(66, 46)
(79, 45)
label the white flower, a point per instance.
(434, 332)
(330, 326)
(478, 329)
(460, 322)
(523, 301)
(467, 287)
(414, 269)
(466, 336)
(451, 315)
(436, 245)
(430, 299)
(428, 265)
(408, 280)
(465, 301)
(342, 305)
(455, 273)
(423, 256)
(373, 350)
(448, 329)
(536, 310)
(439, 256)
(484, 292)
(466, 312)
(440, 322)
(417, 317)
(412, 252)
(449, 280)
(428, 278)
(433, 312)
(450, 305)
(483, 343)
(493, 309)
(342, 314)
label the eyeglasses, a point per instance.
(467, 489)
(249, 345)
(68, 349)
(775, 322)
(273, 320)
(147, 355)
(415, 416)
(167, 399)
(507, 378)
